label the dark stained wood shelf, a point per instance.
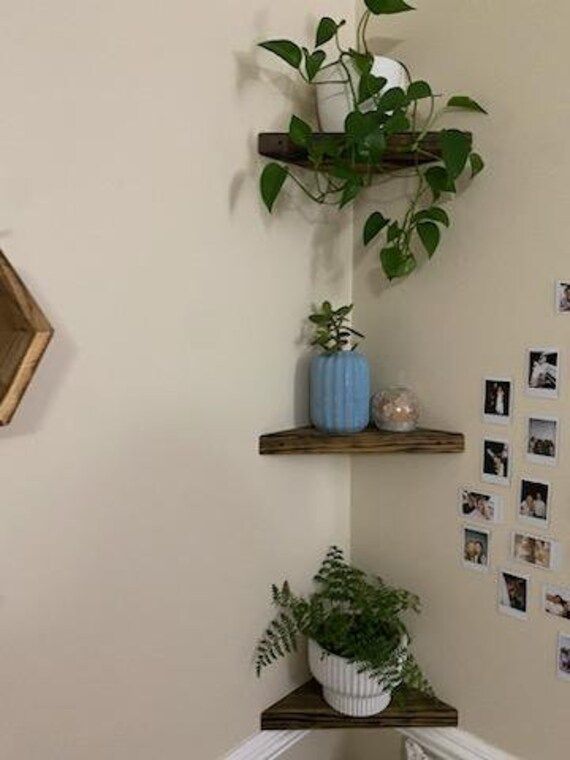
(308, 440)
(305, 708)
(398, 154)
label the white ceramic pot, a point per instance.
(334, 101)
(344, 688)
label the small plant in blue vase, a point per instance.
(340, 375)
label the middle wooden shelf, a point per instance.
(308, 440)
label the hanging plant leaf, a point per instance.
(439, 181)
(465, 103)
(418, 90)
(455, 147)
(395, 263)
(326, 30)
(358, 125)
(362, 61)
(369, 86)
(477, 164)
(434, 214)
(429, 235)
(300, 132)
(397, 122)
(378, 7)
(371, 148)
(286, 50)
(374, 225)
(313, 62)
(394, 232)
(272, 178)
(393, 98)
(350, 191)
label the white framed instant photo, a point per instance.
(542, 378)
(476, 547)
(556, 601)
(542, 440)
(563, 657)
(498, 400)
(513, 593)
(477, 506)
(538, 551)
(534, 502)
(496, 462)
(562, 297)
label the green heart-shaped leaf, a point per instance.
(272, 178)
(286, 50)
(466, 103)
(374, 225)
(429, 235)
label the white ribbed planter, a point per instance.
(334, 100)
(344, 688)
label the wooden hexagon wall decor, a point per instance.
(24, 336)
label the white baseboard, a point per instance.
(266, 745)
(454, 744)
(443, 743)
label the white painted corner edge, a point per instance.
(454, 744)
(266, 745)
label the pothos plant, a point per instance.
(345, 164)
(350, 615)
(332, 333)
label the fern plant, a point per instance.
(352, 615)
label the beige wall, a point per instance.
(364, 744)
(140, 529)
(487, 295)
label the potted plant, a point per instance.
(376, 115)
(359, 647)
(339, 376)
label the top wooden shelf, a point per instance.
(308, 440)
(305, 708)
(398, 154)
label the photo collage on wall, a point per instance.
(531, 494)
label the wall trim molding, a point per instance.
(266, 745)
(454, 744)
(444, 743)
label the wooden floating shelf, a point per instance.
(308, 440)
(24, 336)
(305, 708)
(398, 154)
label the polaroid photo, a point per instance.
(542, 372)
(563, 657)
(497, 400)
(562, 297)
(513, 593)
(496, 461)
(556, 601)
(537, 551)
(480, 507)
(534, 502)
(542, 440)
(476, 544)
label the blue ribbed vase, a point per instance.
(340, 392)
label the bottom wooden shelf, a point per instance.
(305, 708)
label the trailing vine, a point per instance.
(343, 165)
